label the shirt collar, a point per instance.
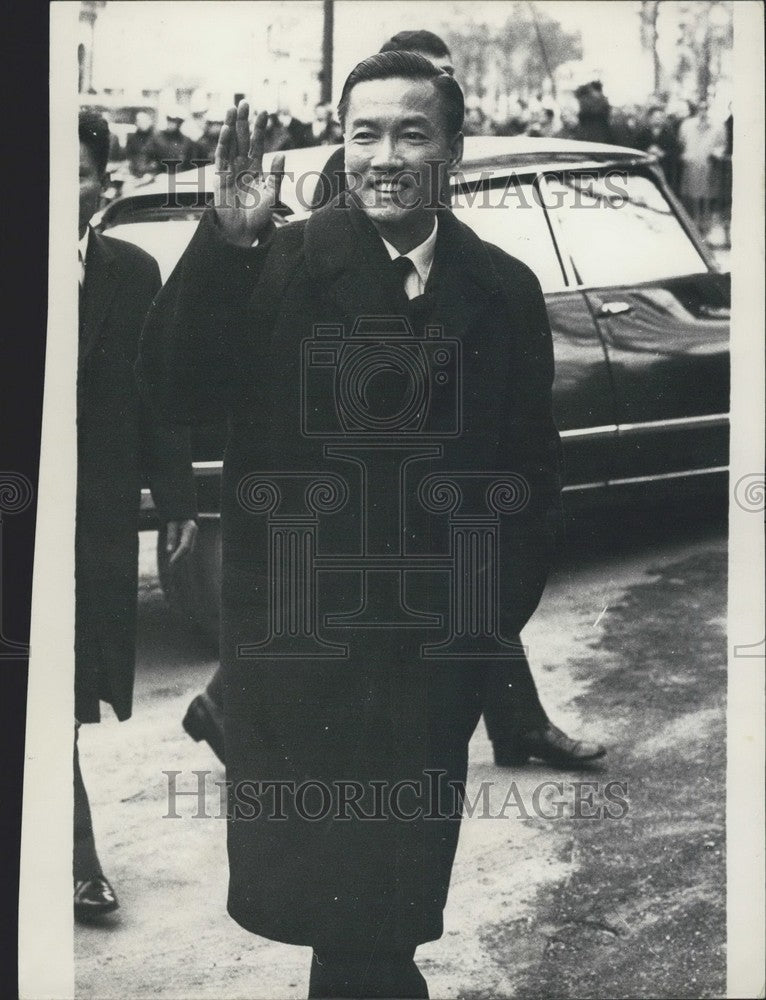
(422, 256)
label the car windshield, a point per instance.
(619, 229)
(509, 213)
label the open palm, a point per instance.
(244, 198)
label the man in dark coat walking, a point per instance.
(120, 445)
(390, 506)
(517, 723)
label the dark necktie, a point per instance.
(403, 268)
(419, 306)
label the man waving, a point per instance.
(391, 456)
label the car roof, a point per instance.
(535, 155)
(482, 154)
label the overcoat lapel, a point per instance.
(346, 257)
(348, 260)
(101, 284)
(463, 281)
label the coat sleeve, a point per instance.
(530, 447)
(166, 451)
(194, 334)
(168, 468)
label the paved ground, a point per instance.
(629, 645)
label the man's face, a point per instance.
(656, 119)
(174, 124)
(143, 121)
(397, 147)
(91, 183)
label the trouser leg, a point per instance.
(510, 702)
(366, 974)
(85, 863)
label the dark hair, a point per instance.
(94, 135)
(409, 66)
(417, 41)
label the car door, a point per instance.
(508, 211)
(663, 315)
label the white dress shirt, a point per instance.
(422, 257)
(83, 253)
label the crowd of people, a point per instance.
(186, 142)
(693, 149)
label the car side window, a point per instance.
(509, 213)
(620, 229)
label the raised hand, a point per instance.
(244, 198)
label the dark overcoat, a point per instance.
(349, 693)
(120, 446)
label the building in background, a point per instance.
(89, 10)
(202, 55)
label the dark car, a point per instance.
(639, 313)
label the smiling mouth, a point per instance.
(388, 186)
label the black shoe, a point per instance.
(204, 721)
(550, 745)
(93, 898)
